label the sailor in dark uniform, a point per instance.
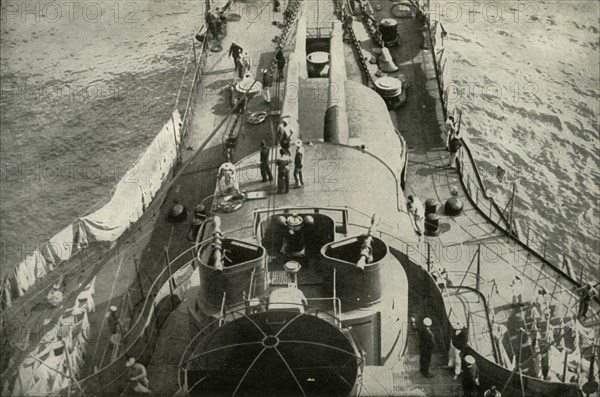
(587, 292)
(454, 145)
(426, 345)
(114, 322)
(298, 163)
(457, 344)
(236, 51)
(283, 172)
(470, 380)
(280, 60)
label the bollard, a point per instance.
(430, 206)
(177, 213)
(432, 225)
(453, 207)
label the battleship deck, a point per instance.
(420, 123)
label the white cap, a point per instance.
(469, 359)
(427, 322)
(130, 362)
(113, 308)
(298, 143)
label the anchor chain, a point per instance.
(347, 21)
(290, 13)
(371, 24)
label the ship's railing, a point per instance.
(134, 338)
(474, 188)
(78, 257)
(532, 239)
(200, 55)
(489, 291)
(137, 341)
(141, 324)
(425, 261)
(470, 176)
(319, 31)
(550, 254)
(428, 256)
(468, 279)
(554, 254)
(139, 337)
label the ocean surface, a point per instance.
(526, 75)
(86, 87)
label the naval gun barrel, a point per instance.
(217, 245)
(366, 251)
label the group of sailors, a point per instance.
(536, 327)
(227, 181)
(216, 21)
(284, 162)
(242, 63)
(586, 293)
(458, 360)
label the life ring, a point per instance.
(257, 117)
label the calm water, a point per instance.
(527, 77)
(84, 93)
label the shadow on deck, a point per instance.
(170, 346)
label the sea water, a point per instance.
(87, 85)
(526, 75)
(85, 88)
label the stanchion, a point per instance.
(478, 268)
(137, 274)
(194, 50)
